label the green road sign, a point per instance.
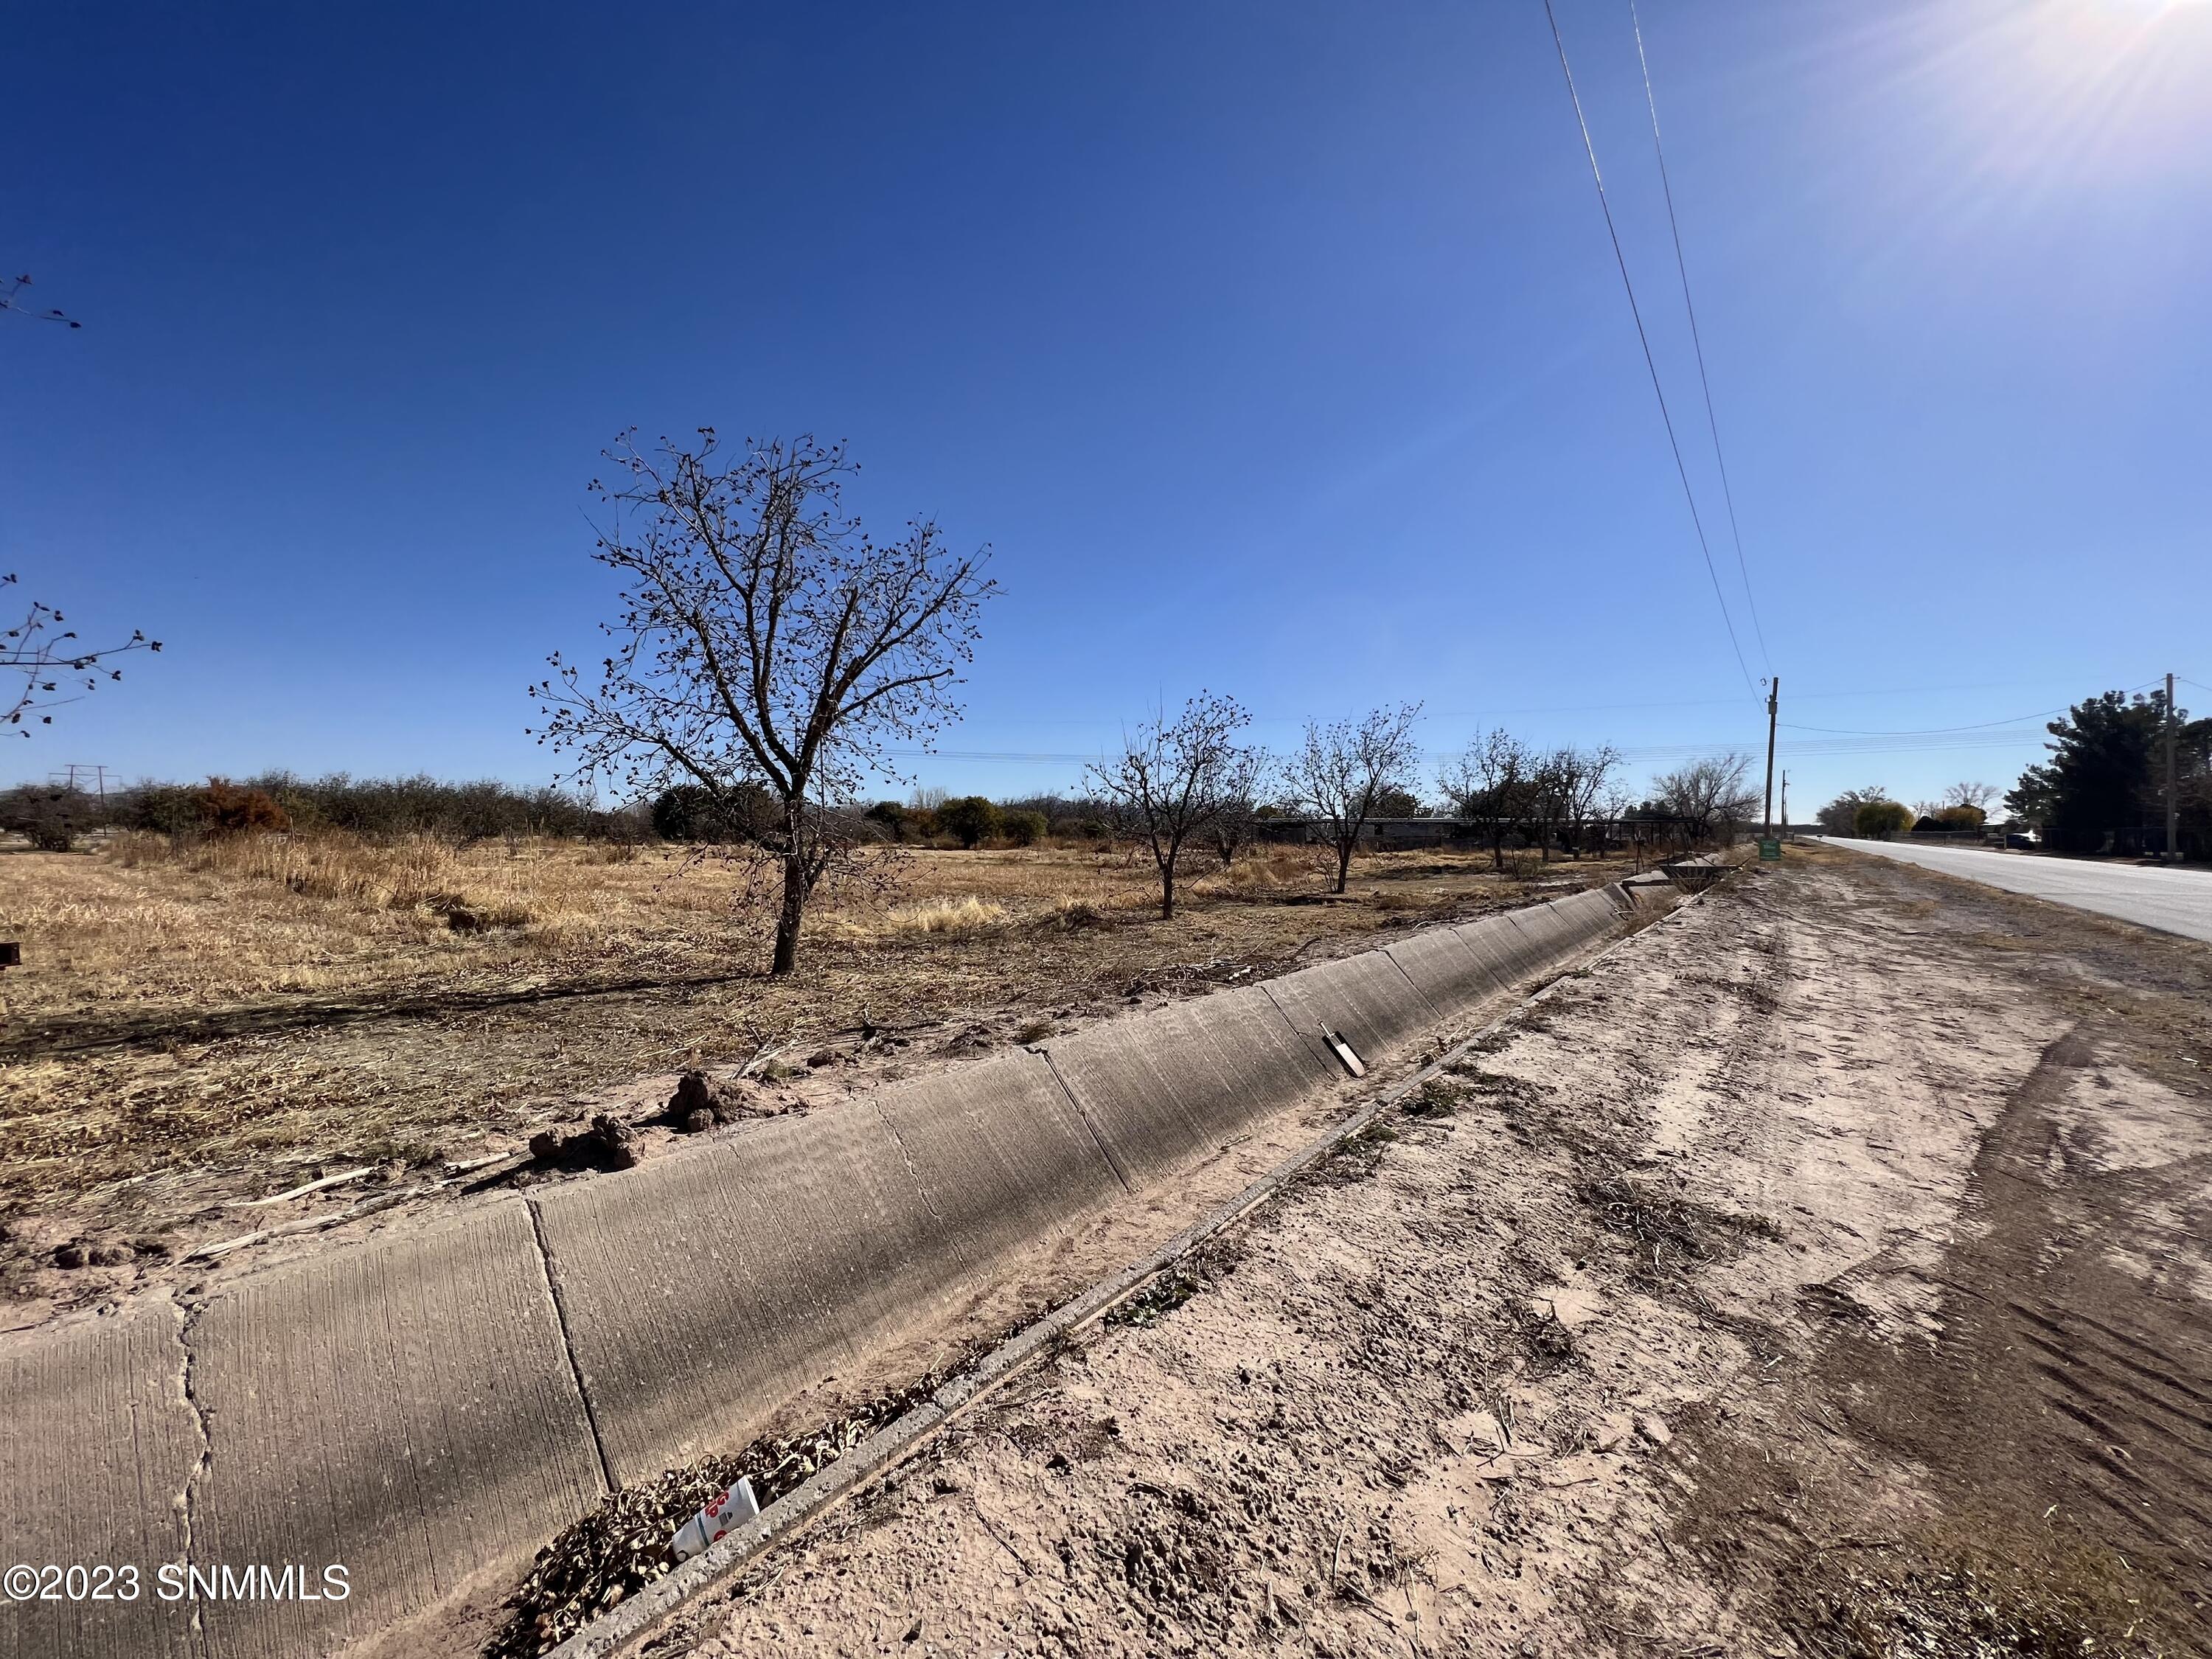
(1770, 851)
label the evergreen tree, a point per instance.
(2099, 776)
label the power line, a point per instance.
(1812, 748)
(1682, 269)
(1940, 731)
(1828, 740)
(1856, 694)
(1872, 744)
(1589, 148)
(1924, 732)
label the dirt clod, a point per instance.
(93, 1253)
(609, 1144)
(723, 1102)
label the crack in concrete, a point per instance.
(906, 1157)
(188, 1499)
(568, 1346)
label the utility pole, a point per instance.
(1773, 700)
(1785, 803)
(2173, 813)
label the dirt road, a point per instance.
(1827, 1273)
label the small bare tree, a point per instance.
(1584, 776)
(1712, 796)
(1344, 767)
(55, 666)
(1488, 782)
(1238, 822)
(1976, 795)
(1550, 784)
(764, 642)
(1618, 805)
(1175, 780)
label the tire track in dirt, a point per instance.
(2052, 1412)
(2049, 1218)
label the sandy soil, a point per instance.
(186, 1044)
(1826, 1274)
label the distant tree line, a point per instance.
(2101, 790)
(1569, 798)
(932, 817)
(1190, 780)
(53, 816)
(1870, 813)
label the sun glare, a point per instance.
(2094, 91)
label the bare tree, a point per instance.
(1344, 769)
(1712, 795)
(57, 667)
(1976, 795)
(1546, 795)
(1239, 819)
(765, 642)
(1583, 776)
(1618, 805)
(1175, 779)
(1488, 781)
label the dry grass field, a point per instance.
(195, 1026)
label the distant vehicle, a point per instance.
(2023, 839)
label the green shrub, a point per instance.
(970, 818)
(1879, 820)
(1021, 828)
(51, 816)
(167, 809)
(1392, 802)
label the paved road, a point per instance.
(2173, 901)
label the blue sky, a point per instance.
(1275, 349)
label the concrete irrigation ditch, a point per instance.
(429, 1408)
